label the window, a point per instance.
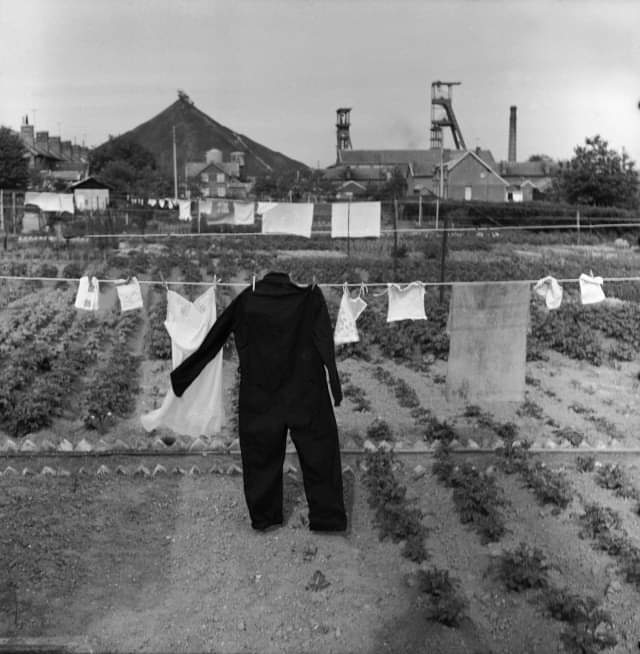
(220, 178)
(205, 178)
(467, 192)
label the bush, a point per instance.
(72, 270)
(613, 477)
(445, 603)
(379, 430)
(523, 568)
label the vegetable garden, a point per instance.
(512, 528)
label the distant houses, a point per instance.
(471, 175)
(54, 161)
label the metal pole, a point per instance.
(441, 190)
(443, 257)
(578, 224)
(419, 209)
(13, 210)
(348, 227)
(395, 237)
(2, 210)
(175, 166)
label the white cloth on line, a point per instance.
(129, 295)
(57, 202)
(200, 410)
(205, 207)
(88, 295)
(549, 288)
(350, 309)
(184, 209)
(263, 207)
(406, 303)
(243, 213)
(591, 289)
(289, 218)
(355, 219)
(152, 202)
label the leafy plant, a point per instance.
(585, 463)
(598, 520)
(357, 396)
(572, 435)
(445, 604)
(549, 486)
(523, 568)
(379, 430)
(613, 477)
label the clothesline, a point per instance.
(404, 230)
(321, 284)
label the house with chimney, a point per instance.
(55, 162)
(216, 178)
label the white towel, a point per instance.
(289, 218)
(406, 303)
(591, 289)
(355, 219)
(550, 290)
(184, 208)
(129, 295)
(205, 207)
(88, 294)
(243, 213)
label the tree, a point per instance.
(129, 167)
(14, 167)
(598, 175)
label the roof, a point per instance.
(193, 168)
(212, 167)
(90, 182)
(40, 152)
(526, 168)
(422, 163)
(450, 165)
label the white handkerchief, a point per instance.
(88, 294)
(591, 289)
(550, 290)
(129, 295)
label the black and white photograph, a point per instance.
(319, 327)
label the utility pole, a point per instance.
(175, 166)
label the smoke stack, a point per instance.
(512, 135)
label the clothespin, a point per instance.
(363, 289)
(345, 287)
(253, 283)
(164, 282)
(314, 282)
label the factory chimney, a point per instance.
(512, 135)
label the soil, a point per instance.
(169, 563)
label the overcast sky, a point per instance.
(276, 70)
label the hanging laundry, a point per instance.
(55, 202)
(289, 218)
(488, 342)
(355, 219)
(152, 202)
(221, 212)
(550, 290)
(199, 410)
(129, 295)
(406, 303)
(205, 207)
(88, 294)
(591, 289)
(263, 207)
(243, 213)
(350, 309)
(184, 209)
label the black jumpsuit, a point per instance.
(284, 341)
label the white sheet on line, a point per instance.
(289, 218)
(355, 219)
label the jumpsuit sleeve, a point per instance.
(184, 374)
(323, 338)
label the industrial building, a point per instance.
(456, 174)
